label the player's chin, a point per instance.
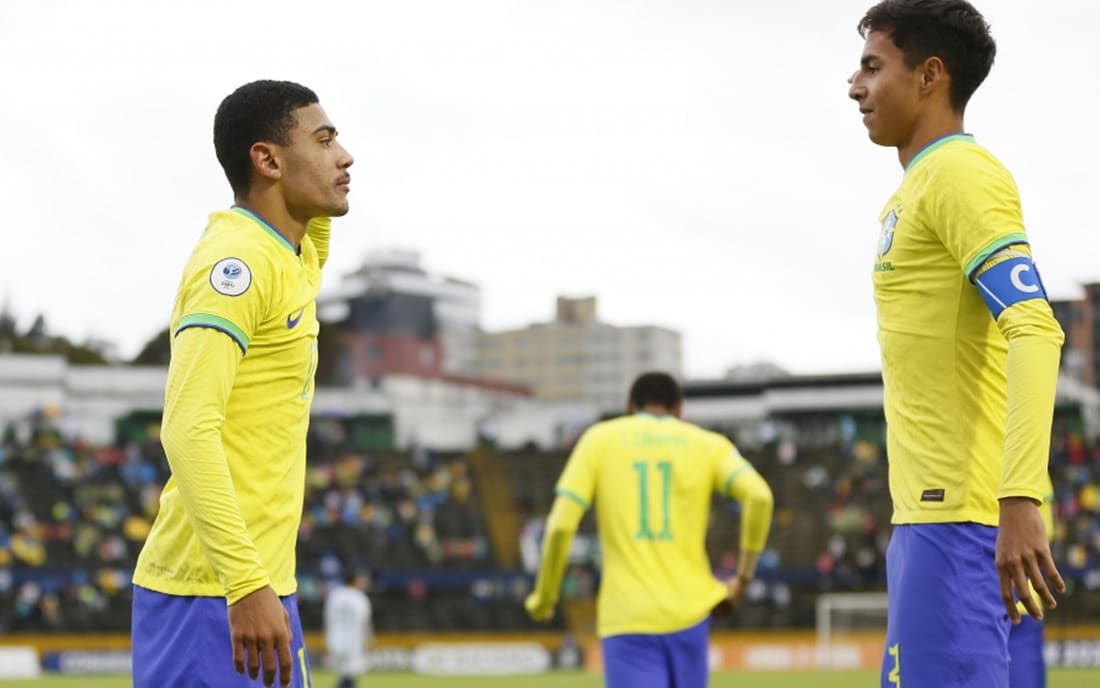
(338, 208)
(880, 138)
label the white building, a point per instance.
(577, 357)
(439, 414)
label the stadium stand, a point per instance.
(73, 516)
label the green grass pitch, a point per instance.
(1070, 678)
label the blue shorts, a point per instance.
(946, 625)
(183, 642)
(1027, 667)
(672, 660)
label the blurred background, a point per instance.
(433, 451)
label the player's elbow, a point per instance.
(759, 502)
(558, 529)
(1031, 322)
(761, 499)
(173, 437)
(180, 437)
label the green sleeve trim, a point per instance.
(733, 476)
(562, 492)
(997, 245)
(215, 322)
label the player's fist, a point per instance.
(735, 589)
(538, 608)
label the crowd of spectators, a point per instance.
(73, 517)
(1075, 542)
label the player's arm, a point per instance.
(319, 230)
(574, 490)
(224, 306)
(976, 214)
(735, 477)
(741, 482)
(200, 379)
(332, 630)
(561, 525)
(1011, 288)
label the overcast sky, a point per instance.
(696, 165)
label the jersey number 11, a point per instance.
(664, 468)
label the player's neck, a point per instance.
(928, 130)
(273, 210)
(655, 410)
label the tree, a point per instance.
(7, 322)
(37, 340)
(157, 351)
(37, 332)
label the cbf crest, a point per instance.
(886, 237)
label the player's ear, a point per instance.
(933, 74)
(264, 161)
(678, 409)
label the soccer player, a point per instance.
(214, 584)
(970, 353)
(651, 476)
(348, 628)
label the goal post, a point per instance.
(843, 617)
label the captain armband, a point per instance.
(1009, 282)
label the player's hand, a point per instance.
(1023, 557)
(538, 608)
(735, 589)
(259, 627)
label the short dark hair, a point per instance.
(258, 111)
(952, 30)
(656, 388)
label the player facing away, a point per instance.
(214, 585)
(651, 477)
(348, 628)
(970, 353)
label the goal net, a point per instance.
(851, 629)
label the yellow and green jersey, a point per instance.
(945, 357)
(651, 479)
(240, 385)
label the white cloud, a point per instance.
(695, 164)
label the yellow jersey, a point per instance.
(240, 384)
(944, 359)
(651, 479)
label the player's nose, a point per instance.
(346, 160)
(855, 90)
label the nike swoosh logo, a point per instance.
(292, 320)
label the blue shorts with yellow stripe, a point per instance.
(946, 625)
(183, 642)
